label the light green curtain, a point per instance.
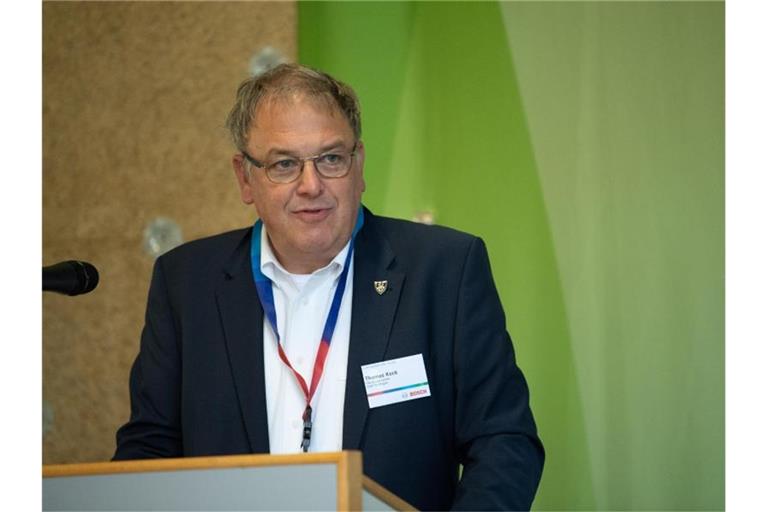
(585, 143)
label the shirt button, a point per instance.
(300, 361)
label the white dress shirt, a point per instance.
(302, 303)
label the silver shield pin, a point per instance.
(380, 286)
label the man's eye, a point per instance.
(285, 165)
(330, 159)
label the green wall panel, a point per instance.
(625, 104)
(584, 143)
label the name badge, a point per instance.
(396, 380)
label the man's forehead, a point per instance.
(298, 124)
(285, 101)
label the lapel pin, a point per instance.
(380, 286)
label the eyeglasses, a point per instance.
(334, 164)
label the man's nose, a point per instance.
(310, 182)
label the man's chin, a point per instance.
(321, 248)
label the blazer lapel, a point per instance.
(372, 317)
(242, 321)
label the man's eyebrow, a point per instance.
(337, 144)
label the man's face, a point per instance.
(311, 219)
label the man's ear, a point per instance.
(243, 179)
(361, 159)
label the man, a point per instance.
(324, 327)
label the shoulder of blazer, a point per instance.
(223, 254)
(406, 238)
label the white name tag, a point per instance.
(396, 380)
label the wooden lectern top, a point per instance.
(349, 477)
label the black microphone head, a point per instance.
(70, 277)
(88, 277)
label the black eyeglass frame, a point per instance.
(303, 161)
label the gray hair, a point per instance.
(286, 80)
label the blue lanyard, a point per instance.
(267, 299)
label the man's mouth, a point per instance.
(312, 214)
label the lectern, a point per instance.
(308, 481)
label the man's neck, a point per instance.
(301, 267)
(300, 263)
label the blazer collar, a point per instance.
(242, 321)
(372, 317)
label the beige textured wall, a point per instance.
(134, 99)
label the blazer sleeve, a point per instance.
(154, 428)
(496, 434)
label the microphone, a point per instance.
(70, 277)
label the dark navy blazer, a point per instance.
(197, 385)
